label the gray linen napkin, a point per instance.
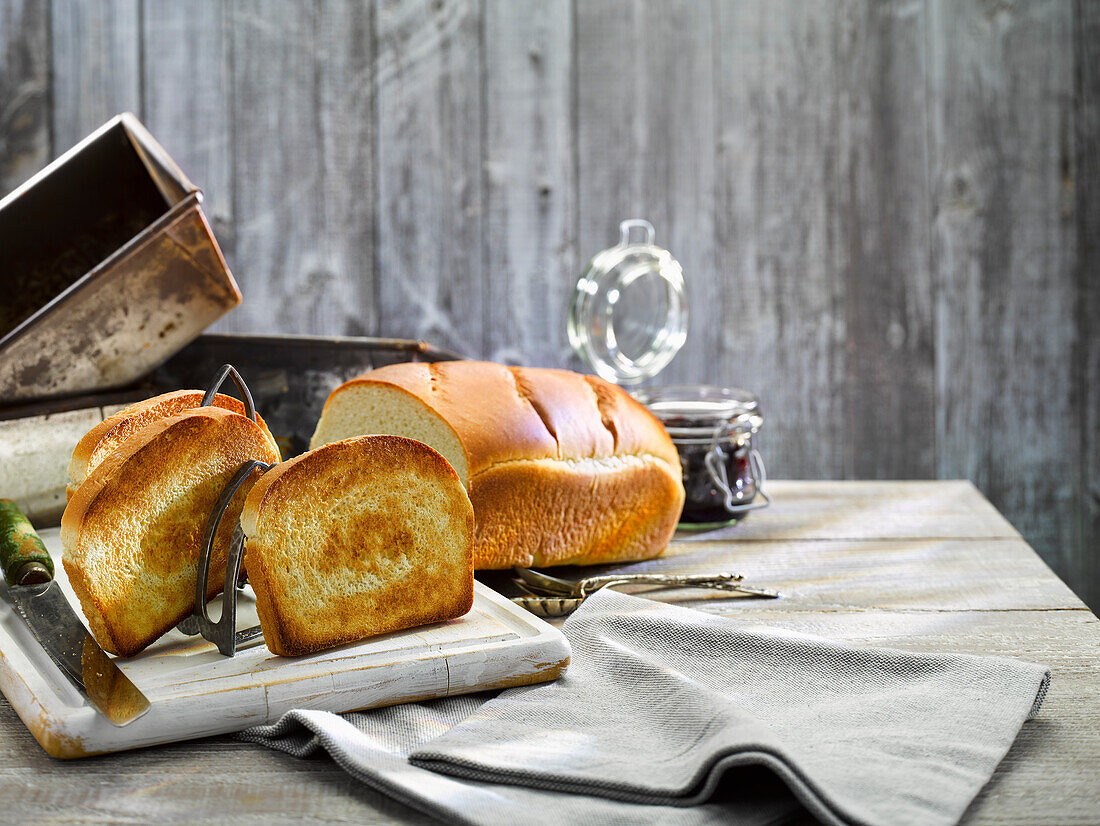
(668, 715)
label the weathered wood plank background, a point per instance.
(888, 212)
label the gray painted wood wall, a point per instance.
(888, 212)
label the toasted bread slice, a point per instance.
(107, 436)
(357, 538)
(132, 531)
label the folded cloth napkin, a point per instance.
(668, 715)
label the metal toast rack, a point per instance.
(223, 632)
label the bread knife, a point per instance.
(31, 590)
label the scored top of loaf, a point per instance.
(505, 414)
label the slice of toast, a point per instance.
(107, 436)
(133, 529)
(357, 538)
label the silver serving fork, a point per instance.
(552, 596)
(554, 586)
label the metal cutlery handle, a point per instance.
(537, 582)
(722, 582)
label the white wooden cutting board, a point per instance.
(195, 692)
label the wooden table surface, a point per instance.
(925, 566)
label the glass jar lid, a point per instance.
(629, 313)
(702, 412)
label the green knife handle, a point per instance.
(23, 557)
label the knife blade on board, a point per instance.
(30, 589)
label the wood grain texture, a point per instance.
(206, 781)
(95, 66)
(1086, 575)
(819, 575)
(303, 171)
(867, 510)
(186, 98)
(879, 598)
(1001, 145)
(778, 186)
(430, 183)
(822, 210)
(530, 217)
(645, 149)
(24, 91)
(882, 237)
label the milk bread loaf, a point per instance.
(562, 469)
(357, 538)
(108, 435)
(133, 529)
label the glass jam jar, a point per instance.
(628, 319)
(712, 428)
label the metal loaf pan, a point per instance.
(109, 267)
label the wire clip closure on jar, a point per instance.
(223, 632)
(712, 429)
(735, 503)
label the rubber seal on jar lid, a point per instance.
(629, 314)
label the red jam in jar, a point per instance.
(712, 428)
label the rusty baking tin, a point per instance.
(108, 267)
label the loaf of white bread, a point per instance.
(357, 538)
(133, 527)
(561, 468)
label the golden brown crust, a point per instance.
(358, 538)
(112, 432)
(255, 501)
(549, 455)
(502, 414)
(636, 431)
(536, 514)
(92, 607)
(133, 529)
(480, 402)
